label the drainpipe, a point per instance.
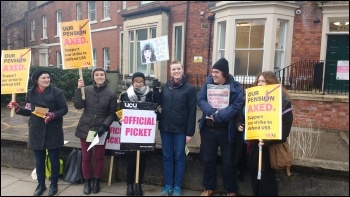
(187, 11)
(211, 20)
(25, 29)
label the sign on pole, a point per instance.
(154, 50)
(342, 70)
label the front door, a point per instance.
(337, 49)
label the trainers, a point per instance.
(207, 192)
(167, 190)
(231, 194)
(177, 191)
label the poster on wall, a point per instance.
(154, 50)
(342, 70)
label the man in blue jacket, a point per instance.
(220, 99)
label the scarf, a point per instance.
(136, 95)
(173, 84)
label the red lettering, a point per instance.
(71, 41)
(15, 67)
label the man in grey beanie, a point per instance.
(217, 128)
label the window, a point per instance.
(16, 39)
(94, 54)
(43, 57)
(280, 44)
(121, 52)
(32, 30)
(178, 43)
(249, 47)
(92, 10)
(135, 36)
(124, 5)
(79, 15)
(44, 19)
(59, 59)
(221, 39)
(58, 20)
(106, 58)
(106, 5)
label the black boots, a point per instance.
(96, 186)
(87, 187)
(130, 190)
(53, 189)
(138, 189)
(40, 189)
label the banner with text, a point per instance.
(15, 66)
(139, 126)
(76, 46)
(154, 50)
(342, 70)
(218, 96)
(263, 112)
(113, 142)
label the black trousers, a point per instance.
(211, 139)
(131, 167)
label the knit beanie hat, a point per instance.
(138, 74)
(222, 65)
(37, 73)
(97, 69)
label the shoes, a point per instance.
(167, 190)
(231, 194)
(207, 192)
(96, 186)
(53, 189)
(130, 190)
(138, 190)
(40, 189)
(87, 187)
(177, 191)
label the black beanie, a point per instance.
(97, 69)
(222, 65)
(138, 74)
(37, 73)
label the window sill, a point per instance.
(57, 36)
(105, 19)
(31, 40)
(93, 22)
(44, 38)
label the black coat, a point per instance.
(45, 136)
(179, 107)
(100, 106)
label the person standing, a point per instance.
(218, 129)
(176, 124)
(137, 92)
(267, 185)
(44, 132)
(99, 111)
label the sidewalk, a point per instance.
(18, 182)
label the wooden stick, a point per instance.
(260, 161)
(82, 88)
(110, 170)
(13, 109)
(156, 70)
(137, 166)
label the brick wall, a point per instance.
(327, 114)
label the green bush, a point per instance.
(66, 80)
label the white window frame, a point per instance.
(58, 20)
(146, 2)
(44, 24)
(124, 5)
(280, 46)
(175, 49)
(221, 39)
(92, 11)
(106, 59)
(44, 57)
(32, 30)
(79, 14)
(59, 59)
(106, 10)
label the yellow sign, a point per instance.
(263, 112)
(76, 46)
(198, 59)
(15, 71)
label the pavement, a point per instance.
(18, 182)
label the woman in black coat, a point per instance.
(45, 132)
(267, 186)
(137, 92)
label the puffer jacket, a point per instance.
(100, 106)
(179, 107)
(41, 135)
(227, 114)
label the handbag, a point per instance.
(48, 166)
(281, 157)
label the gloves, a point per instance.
(49, 116)
(156, 84)
(103, 128)
(13, 104)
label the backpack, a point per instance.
(72, 169)
(281, 157)
(48, 166)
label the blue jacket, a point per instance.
(227, 114)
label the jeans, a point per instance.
(174, 157)
(87, 156)
(131, 167)
(211, 139)
(40, 156)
